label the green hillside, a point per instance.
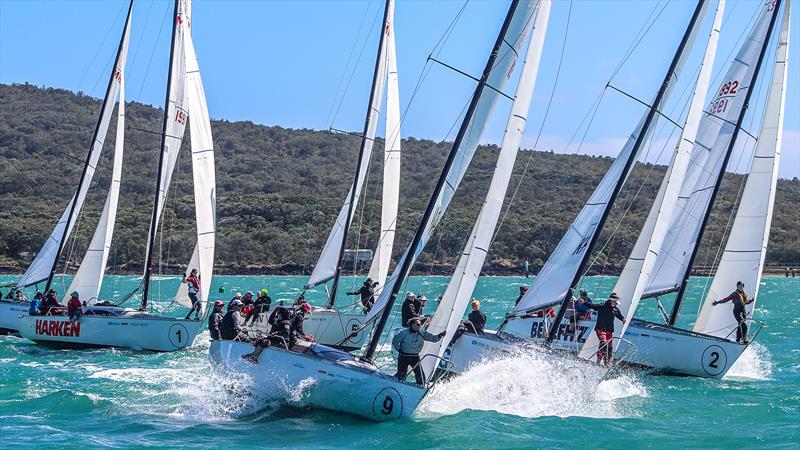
(278, 191)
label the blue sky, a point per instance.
(283, 62)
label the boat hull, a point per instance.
(329, 327)
(10, 316)
(650, 346)
(130, 329)
(345, 385)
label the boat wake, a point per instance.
(533, 385)
(755, 363)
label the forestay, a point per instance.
(637, 270)
(459, 290)
(497, 79)
(391, 163)
(325, 269)
(743, 258)
(89, 277)
(708, 154)
(556, 277)
(45, 260)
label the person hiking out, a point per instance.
(476, 318)
(193, 285)
(215, 321)
(366, 293)
(739, 299)
(604, 328)
(74, 307)
(408, 343)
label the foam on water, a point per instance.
(533, 385)
(755, 363)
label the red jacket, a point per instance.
(74, 305)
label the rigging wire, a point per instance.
(102, 43)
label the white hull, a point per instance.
(130, 329)
(329, 327)
(658, 348)
(10, 313)
(339, 382)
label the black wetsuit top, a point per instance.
(215, 325)
(605, 315)
(478, 320)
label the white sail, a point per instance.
(637, 270)
(743, 258)
(205, 195)
(325, 269)
(391, 164)
(553, 281)
(89, 277)
(497, 79)
(451, 307)
(713, 138)
(41, 266)
(177, 112)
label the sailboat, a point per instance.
(696, 168)
(340, 381)
(110, 325)
(335, 325)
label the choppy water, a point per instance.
(117, 398)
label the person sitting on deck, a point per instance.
(408, 309)
(21, 296)
(604, 328)
(408, 343)
(51, 305)
(279, 336)
(739, 299)
(231, 323)
(261, 305)
(215, 321)
(579, 311)
(36, 304)
(193, 285)
(476, 318)
(296, 330)
(367, 293)
(74, 307)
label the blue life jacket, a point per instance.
(34, 309)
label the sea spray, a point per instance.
(532, 384)
(755, 363)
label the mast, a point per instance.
(406, 267)
(154, 218)
(628, 164)
(673, 318)
(375, 81)
(89, 155)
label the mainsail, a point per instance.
(563, 269)
(496, 74)
(637, 270)
(452, 304)
(743, 258)
(329, 263)
(391, 164)
(713, 143)
(43, 266)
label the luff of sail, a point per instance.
(746, 247)
(43, 265)
(391, 164)
(329, 259)
(496, 74)
(637, 270)
(712, 143)
(452, 304)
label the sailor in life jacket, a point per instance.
(739, 299)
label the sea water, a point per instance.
(122, 398)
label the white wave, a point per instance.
(532, 385)
(755, 363)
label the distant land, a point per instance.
(278, 192)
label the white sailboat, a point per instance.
(665, 348)
(116, 326)
(342, 326)
(340, 381)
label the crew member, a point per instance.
(231, 323)
(297, 324)
(193, 285)
(604, 328)
(215, 321)
(476, 317)
(408, 343)
(50, 304)
(408, 310)
(261, 305)
(36, 304)
(74, 307)
(522, 291)
(739, 299)
(367, 293)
